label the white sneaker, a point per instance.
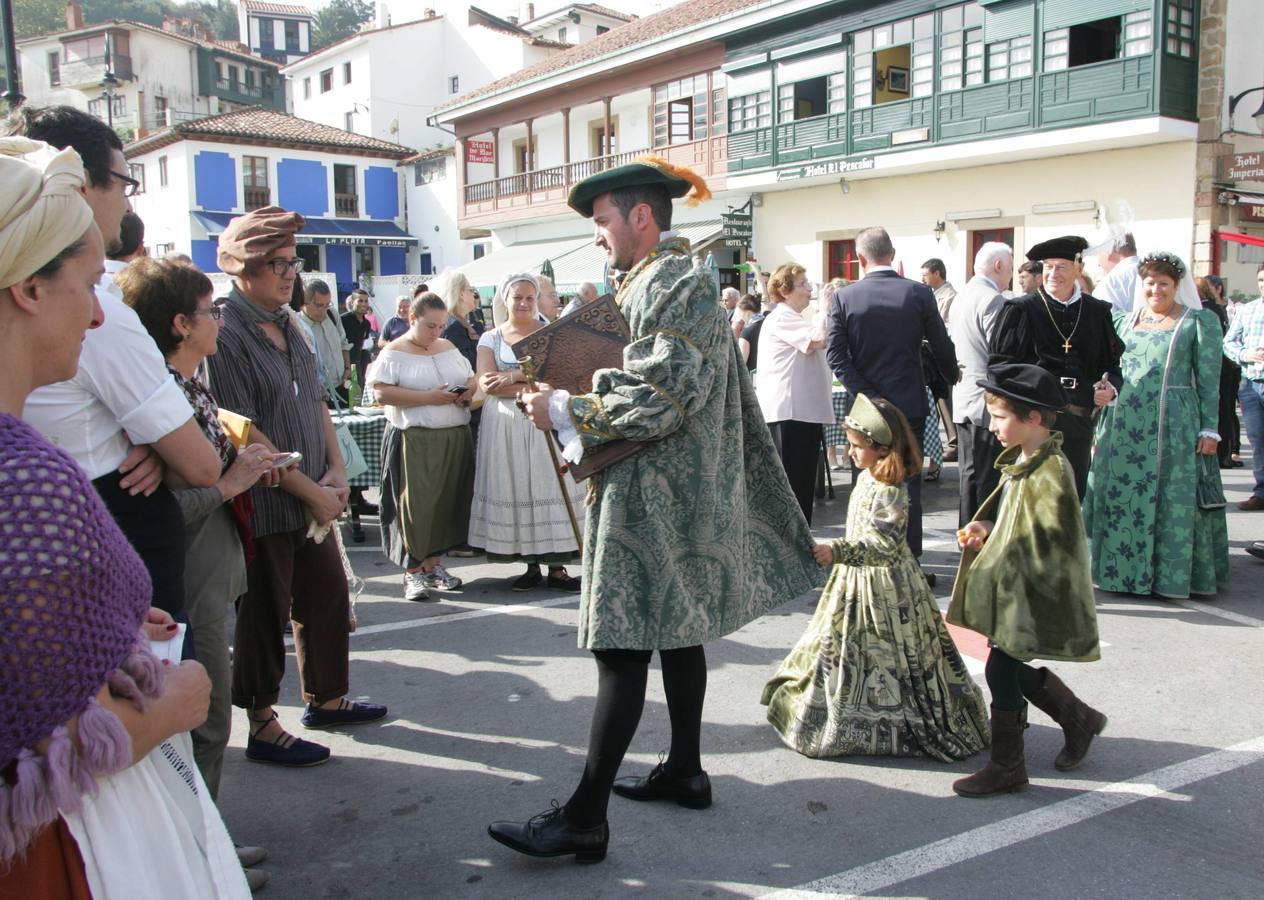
(415, 586)
(439, 579)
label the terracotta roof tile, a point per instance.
(259, 124)
(281, 9)
(616, 40)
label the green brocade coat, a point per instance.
(1029, 589)
(699, 533)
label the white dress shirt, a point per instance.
(794, 379)
(1119, 286)
(121, 395)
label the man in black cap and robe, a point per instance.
(1071, 335)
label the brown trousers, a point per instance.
(295, 578)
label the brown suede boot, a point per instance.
(1080, 722)
(1006, 770)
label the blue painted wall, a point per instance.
(338, 261)
(203, 253)
(392, 261)
(215, 180)
(302, 186)
(381, 192)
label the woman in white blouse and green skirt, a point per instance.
(427, 452)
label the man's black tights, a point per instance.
(1010, 680)
(621, 677)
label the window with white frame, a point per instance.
(326, 81)
(811, 86)
(893, 62)
(1101, 40)
(750, 100)
(1009, 59)
(137, 171)
(429, 171)
(346, 73)
(162, 171)
(960, 47)
(454, 84)
(307, 88)
(680, 111)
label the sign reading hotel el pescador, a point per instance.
(833, 167)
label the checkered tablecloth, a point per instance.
(368, 432)
(835, 435)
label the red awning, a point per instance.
(1237, 238)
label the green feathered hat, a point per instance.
(678, 180)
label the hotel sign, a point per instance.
(738, 229)
(479, 151)
(1244, 167)
(833, 167)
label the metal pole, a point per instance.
(559, 468)
(13, 90)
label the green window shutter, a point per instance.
(1010, 19)
(1060, 13)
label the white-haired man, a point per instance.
(1118, 260)
(729, 297)
(971, 319)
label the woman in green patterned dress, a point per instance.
(876, 673)
(1154, 509)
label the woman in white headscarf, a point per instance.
(1154, 508)
(518, 512)
(83, 701)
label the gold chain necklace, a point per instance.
(1066, 338)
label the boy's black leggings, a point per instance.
(1010, 680)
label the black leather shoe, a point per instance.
(549, 834)
(692, 792)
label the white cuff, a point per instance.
(564, 425)
(1207, 432)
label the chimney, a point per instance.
(74, 14)
(429, 14)
(530, 11)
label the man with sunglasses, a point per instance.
(122, 417)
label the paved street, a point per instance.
(490, 703)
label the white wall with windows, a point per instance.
(430, 189)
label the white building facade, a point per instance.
(281, 32)
(383, 82)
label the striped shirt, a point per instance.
(283, 395)
(1247, 333)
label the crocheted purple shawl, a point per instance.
(73, 593)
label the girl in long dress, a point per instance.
(518, 513)
(876, 673)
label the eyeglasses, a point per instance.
(280, 266)
(215, 312)
(131, 187)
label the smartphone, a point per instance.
(458, 389)
(288, 459)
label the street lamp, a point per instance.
(1258, 115)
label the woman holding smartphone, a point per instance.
(426, 385)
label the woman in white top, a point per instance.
(519, 513)
(794, 381)
(428, 479)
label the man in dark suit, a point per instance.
(874, 345)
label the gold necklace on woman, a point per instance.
(1066, 338)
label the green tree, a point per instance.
(32, 17)
(339, 19)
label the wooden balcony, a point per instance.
(543, 192)
(256, 197)
(347, 205)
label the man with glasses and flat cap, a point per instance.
(265, 371)
(1071, 335)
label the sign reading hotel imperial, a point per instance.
(833, 167)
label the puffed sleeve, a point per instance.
(883, 540)
(667, 373)
(1012, 340)
(382, 370)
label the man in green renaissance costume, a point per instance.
(679, 550)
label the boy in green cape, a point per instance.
(1024, 580)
